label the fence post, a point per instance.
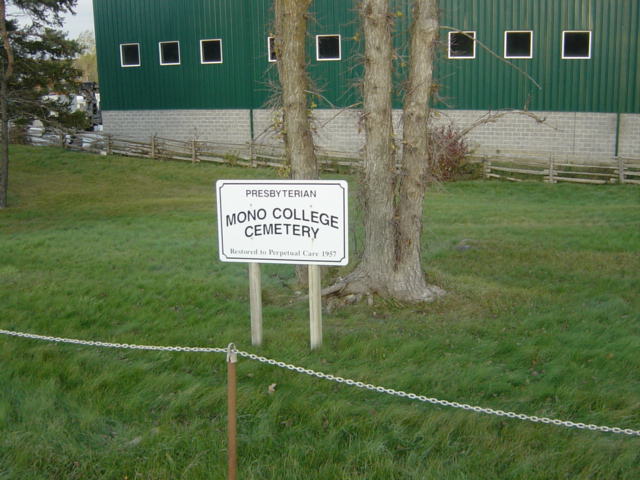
(153, 146)
(62, 145)
(194, 152)
(252, 155)
(487, 167)
(551, 170)
(109, 144)
(621, 170)
(232, 447)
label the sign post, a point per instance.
(255, 302)
(315, 307)
(284, 221)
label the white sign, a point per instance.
(283, 221)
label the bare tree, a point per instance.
(410, 280)
(291, 32)
(379, 162)
(393, 197)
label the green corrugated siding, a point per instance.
(608, 82)
(189, 85)
(336, 80)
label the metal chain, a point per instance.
(230, 350)
(91, 343)
(435, 401)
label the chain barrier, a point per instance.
(231, 351)
(435, 401)
(129, 346)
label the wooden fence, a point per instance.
(249, 155)
(552, 170)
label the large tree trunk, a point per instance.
(379, 162)
(393, 201)
(415, 153)
(291, 31)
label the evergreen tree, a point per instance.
(35, 60)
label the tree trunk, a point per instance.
(6, 70)
(379, 162)
(291, 31)
(415, 153)
(4, 139)
(391, 261)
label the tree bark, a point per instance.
(4, 139)
(415, 152)
(379, 160)
(393, 201)
(291, 31)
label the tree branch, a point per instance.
(502, 59)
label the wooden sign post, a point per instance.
(255, 303)
(315, 306)
(284, 221)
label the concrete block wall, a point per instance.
(334, 129)
(339, 130)
(589, 136)
(575, 136)
(219, 126)
(629, 144)
(263, 127)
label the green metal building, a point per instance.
(208, 65)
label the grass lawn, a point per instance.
(542, 317)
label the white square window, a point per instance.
(518, 44)
(576, 44)
(271, 49)
(328, 47)
(169, 53)
(130, 55)
(462, 45)
(211, 51)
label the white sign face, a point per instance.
(283, 221)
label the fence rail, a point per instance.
(619, 170)
(504, 167)
(249, 154)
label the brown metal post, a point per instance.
(232, 447)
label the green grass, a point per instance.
(541, 317)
